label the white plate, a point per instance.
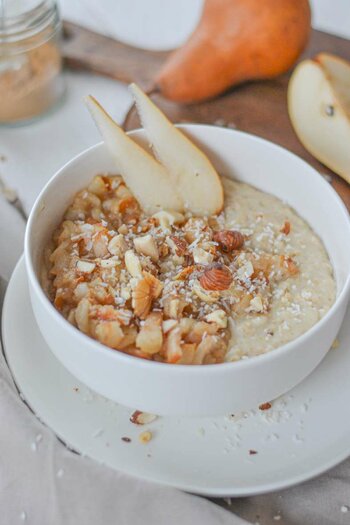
(305, 433)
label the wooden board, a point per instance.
(258, 107)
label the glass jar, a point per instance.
(31, 79)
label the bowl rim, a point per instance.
(180, 369)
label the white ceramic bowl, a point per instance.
(197, 390)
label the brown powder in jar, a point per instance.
(29, 87)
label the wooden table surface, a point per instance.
(256, 107)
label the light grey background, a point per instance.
(162, 24)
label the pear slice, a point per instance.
(193, 174)
(319, 108)
(148, 180)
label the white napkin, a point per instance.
(43, 483)
(11, 237)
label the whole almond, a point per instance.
(216, 277)
(229, 240)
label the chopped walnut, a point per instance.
(146, 290)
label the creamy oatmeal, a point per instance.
(182, 289)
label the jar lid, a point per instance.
(20, 19)
(15, 8)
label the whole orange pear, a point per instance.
(236, 41)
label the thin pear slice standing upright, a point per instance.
(148, 180)
(193, 174)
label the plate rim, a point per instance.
(219, 492)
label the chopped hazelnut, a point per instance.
(219, 317)
(133, 264)
(117, 245)
(167, 219)
(150, 337)
(85, 266)
(147, 246)
(201, 256)
(173, 307)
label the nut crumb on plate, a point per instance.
(142, 418)
(265, 406)
(145, 437)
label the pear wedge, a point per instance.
(193, 174)
(319, 108)
(148, 180)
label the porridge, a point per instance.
(188, 290)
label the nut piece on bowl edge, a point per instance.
(218, 389)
